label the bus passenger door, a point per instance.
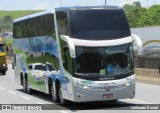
(67, 63)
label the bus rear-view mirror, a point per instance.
(137, 40)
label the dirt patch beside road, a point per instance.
(148, 76)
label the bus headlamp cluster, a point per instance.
(84, 87)
(130, 83)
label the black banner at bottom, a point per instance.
(39, 107)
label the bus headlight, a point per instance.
(84, 87)
(127, 84)
(130, 83)
(4, 64)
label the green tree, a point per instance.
(152, 16)
(139, 16)
(8, 18)
(134, 12)
(137, 4)
(6, 23)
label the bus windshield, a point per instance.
(100, 24)
(104, 61)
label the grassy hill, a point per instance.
(18, 13)
(7, 17)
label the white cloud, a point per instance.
(41, 6)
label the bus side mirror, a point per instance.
(138, 43)
(137, 40)
(71, 45)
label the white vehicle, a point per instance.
(38, 70)
(90, 47)
(8, 34)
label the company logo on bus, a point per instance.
(107, 88)
(103, 79)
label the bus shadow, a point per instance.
(73, 106)
(39, 95)
(107, 105)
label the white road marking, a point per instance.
(2, 88)
(12, 92)
(26, 97)
(141, 101)
(148, 84)
(39, 103)
(63, 111)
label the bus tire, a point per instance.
(12, 65)
(25, 84)
(29, 90)
(114, 101)
(3, 72)
(53, 93)
(61, 99)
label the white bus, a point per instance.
(79, 54)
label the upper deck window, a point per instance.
(99, 24)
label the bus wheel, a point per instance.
(24, 84)
(61, 99)
(114, 101)
(29, 90)
(53, 93)
(3, 73)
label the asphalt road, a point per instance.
(12, 93)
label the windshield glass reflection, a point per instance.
(104, 61)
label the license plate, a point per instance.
(107, 95)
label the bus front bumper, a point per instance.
(112, 94)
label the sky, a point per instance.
(50, 4)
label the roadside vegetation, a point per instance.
(139, 16)
(7, 17)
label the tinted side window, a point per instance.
(62, 22)
(37, 26)
(66, 58)
(50, 27)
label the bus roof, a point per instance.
(88, 8)
(51, 11)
